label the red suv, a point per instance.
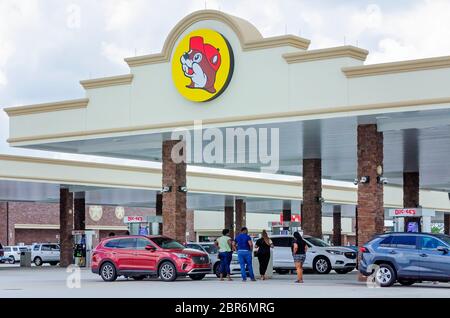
(142, 256)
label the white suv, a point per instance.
(12, 253)
(321, 257)
(45, 253)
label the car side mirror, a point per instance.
(150, 248)
(443, 249)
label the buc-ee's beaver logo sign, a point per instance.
(202, 65)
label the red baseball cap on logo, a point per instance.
(211, 53)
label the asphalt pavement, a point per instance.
(55, 282)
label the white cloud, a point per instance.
(114, 53)
(47, 46)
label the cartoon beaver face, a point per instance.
(201, 64)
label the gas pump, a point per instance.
(82, 247)
(414, 220)
(139, 225)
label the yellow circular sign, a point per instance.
(202, 65)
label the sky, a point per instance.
(47, 46)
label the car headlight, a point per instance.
(335, 252)
(181, 255)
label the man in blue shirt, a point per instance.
(244, 246)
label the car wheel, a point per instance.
(53, 263)
(322, 265)
(197, 276)
(140, 277)
(282, 271)
(11, 260)
(37, 261)
(385, 275)
(167, 272)
(108, 272)
(217, 269)
(343, 271)
(406, 282)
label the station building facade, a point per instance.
(331, 116)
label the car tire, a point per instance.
(53, 263)
(282, 271)
(167, 272)
(406, 282)
(216, 269)
(11, 260)
(140, 277)
(197, 276)
(108, 272)
(343, 271)
(385, 275)
(322, 265)
(37, 261)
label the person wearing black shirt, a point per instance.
(263, 245)
(299, 249)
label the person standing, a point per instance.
(244, 246)
(299, 249)
(224, 243)
(263, 245)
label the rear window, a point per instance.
(127, 244)
(195, 247)
(210, 248)
(112, 244)
(386, 242)
(282, 241)
(404, 241)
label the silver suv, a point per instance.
(321, 256)
(406, 258)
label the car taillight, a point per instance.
(363, 250)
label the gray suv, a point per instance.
(406, 258)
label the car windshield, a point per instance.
(445, 238)
(317, 242)
(167, 243)
(210, 248)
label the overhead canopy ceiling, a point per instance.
(413, 141)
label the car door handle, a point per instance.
(423, 255)
(392, 252)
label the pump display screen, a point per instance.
(413, 227)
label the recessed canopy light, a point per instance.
(382, 117)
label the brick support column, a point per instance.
(337, 226)
(65, 227)
(229, 219)
(79, 207)
(174, 202)
(447, 223)
(4, 220)
(190, 231)
(370, 195)
(411, 189)
(159, 209)
(241, 215)
(287, 213)
(411, 185)
(312, 193)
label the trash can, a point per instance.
(255, 263)
(25, 259)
